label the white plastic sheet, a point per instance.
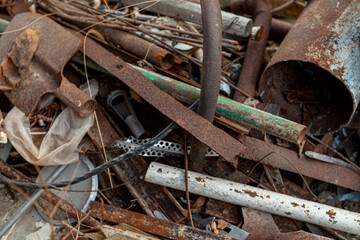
(59, 144)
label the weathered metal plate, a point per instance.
(260, 225)
(43, 75)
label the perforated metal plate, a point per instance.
(160, 149)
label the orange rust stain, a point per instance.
(331, 213)
(251, 193)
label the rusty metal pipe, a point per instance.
(211, 73)
(314, 76)
(149, 224)
(249, 75)
(139, 47)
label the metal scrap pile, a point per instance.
(134, 119)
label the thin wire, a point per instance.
(297, 170)
(187, 180)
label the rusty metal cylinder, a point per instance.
(314, 76)
(139, 47)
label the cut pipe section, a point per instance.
(256, 198)
(139, 47)
(314, 76)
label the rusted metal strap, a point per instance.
(279, 157)
(218, 140)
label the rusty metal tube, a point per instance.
(256, 198)
(211, 73)
(249, 75)
(149, 224)
(314, 76)
(139, 47)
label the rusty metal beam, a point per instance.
(218, 140)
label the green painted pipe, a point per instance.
(230, 109)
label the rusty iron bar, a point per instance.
(256, 198)
(317, 67)
(249, 75)
(218, 140)
(50, 197)
(139, 47)
(149, 224)
(211, 74)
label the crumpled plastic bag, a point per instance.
(60, 142)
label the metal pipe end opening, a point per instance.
(308, 94)
(167, 61)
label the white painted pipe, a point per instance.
(256, 198)
(189, 11)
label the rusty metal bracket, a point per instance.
(34, 51)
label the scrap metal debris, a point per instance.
(191, 119)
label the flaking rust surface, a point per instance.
(218, 140)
